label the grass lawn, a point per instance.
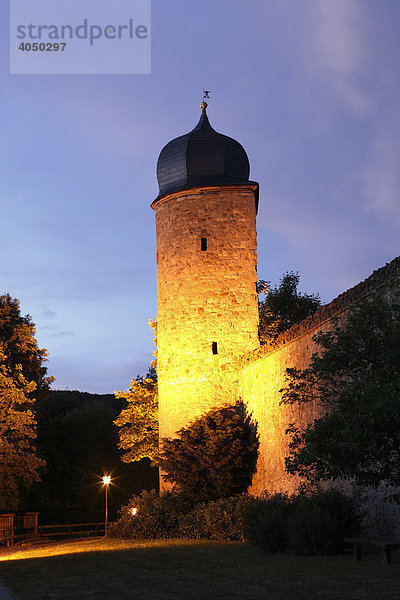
(185, 570)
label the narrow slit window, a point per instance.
(214, 348)
(203, 244)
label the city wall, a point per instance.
(262, 376)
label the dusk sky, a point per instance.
(310, 88)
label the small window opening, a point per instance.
(203, 244)
(214, 348)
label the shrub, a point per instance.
(381, 511)
(265, 520)
(170, 515)
(319, 522)
(314, 523)
(156, 517)
(217, 520)
(308, 523)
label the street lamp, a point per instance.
(106, 483)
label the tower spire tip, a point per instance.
(203, 105)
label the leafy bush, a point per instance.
(265, 520)
(170, 515)
(318, 523)
(308, 523)
(150, 516)
(381, 511)
(217, 520)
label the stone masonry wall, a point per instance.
(204, 296)
(259, 385)
(262, 375)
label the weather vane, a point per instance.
(203, 105)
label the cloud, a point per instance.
(55, 331)
(381, 178)
(338, 35)
(348, 57)
(64, 333)
(340, 51)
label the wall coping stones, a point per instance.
(336, 307)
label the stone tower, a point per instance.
(206, 272)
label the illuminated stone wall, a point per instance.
(262, 375)
(260, 382)
(205, 297)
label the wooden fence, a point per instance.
(72, 530)
(16, 528)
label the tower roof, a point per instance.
(201, 157)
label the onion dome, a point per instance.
(201, 157)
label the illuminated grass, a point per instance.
(188, 570)
(80, 546)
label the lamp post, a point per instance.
(106, 483)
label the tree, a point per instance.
(355, 382)
(214, 457)
(20, 348)
(138, 422)
(22, 380)
(18, 460)
(283, 306)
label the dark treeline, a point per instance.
(78, 440)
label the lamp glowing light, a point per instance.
(134, 511)
(106, 483)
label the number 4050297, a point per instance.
(42, 46)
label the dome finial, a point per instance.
(203, 105)
(202, 157)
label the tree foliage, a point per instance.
(18, 460)
(22, 380)
(283, 306)
(138, 422)
(355, 380)
(214, 457)
(153, 365)
(20, 348)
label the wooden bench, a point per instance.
(384, 544)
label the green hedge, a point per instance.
(156, 517)
(217, 520)
(265, 522)
(306, 524)
(318, 523)
(169, 516)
